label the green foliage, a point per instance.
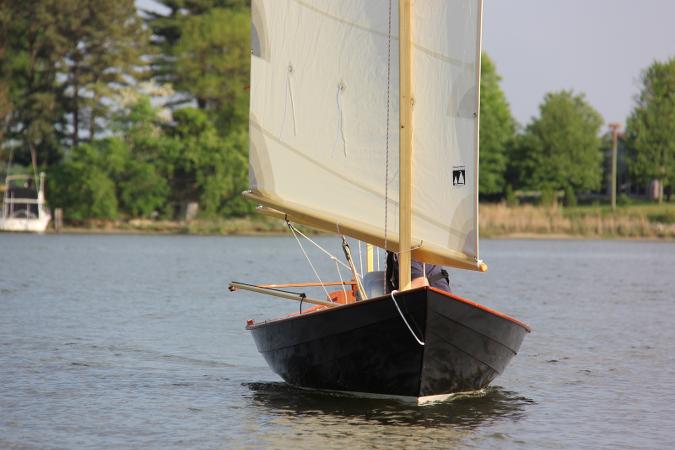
(103, 43)
(205, 54)
(63, 60)
(650, 131)
(561, 147)
(142, 190)
(497, 128)
(212, 60)
(81, 187)
(548, 197)
(510, 195)
(624, 200)
(666, 217)
(30, 48)
(209, 168)
(570, 197)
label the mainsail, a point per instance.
(324, 75)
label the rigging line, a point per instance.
(386, 158)
(360, 258)
(412, 249)
(351, 267)
(295, 230)
(292, 228)
(404, 319)
(344, 291)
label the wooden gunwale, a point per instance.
(370, 300)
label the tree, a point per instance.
(30, 47)
(212, 60)
(103, 44)
(81, 186)
(650, 130)
(209, 168)
(140, 160)
(61, 61)
(561, 147)
(497, 128)
(205, 55)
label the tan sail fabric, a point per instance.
(318, 119)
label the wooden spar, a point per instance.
(281, 294)
(370, 266)
(286, 285)
(482, 267)
(425, 253)
(405, 142)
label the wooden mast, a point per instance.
(405, 142)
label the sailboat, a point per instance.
(364, 123)
(23, 205)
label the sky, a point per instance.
(595, 47)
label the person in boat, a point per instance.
(421, 274)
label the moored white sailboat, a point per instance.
(23, 206)
(364, 122)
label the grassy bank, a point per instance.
(256, 224)
(496, 220)
(635, 221)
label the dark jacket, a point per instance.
(437, 276)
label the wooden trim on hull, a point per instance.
(484, 308)
(439, 291)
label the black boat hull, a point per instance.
(366, 347)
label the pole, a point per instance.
(281, 294)
(615, 134)
(405, 142)
(370, 258)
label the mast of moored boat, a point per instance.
(405, 142)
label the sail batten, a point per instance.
(318, 119)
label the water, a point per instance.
(134, 342)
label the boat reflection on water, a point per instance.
(306, 414)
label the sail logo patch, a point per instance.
(459, 176)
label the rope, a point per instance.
(386, 158)
(404, 319)
(292, 228)
(295, 230)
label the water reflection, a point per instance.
(463, 412)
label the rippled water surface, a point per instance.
(135, 342)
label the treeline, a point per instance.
(563, 148)
(139, 113)
(131, 113)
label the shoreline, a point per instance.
(506, 236)
(186, 229)
(497, 221)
